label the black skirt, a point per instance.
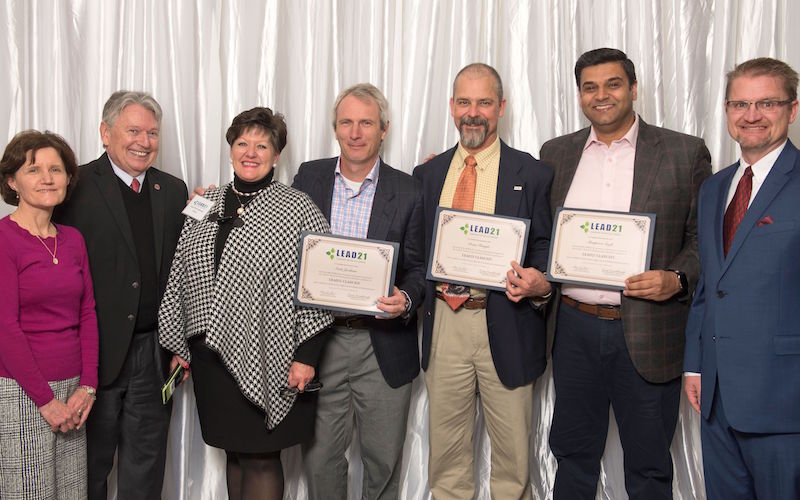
(230, 421)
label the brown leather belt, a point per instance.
(471, 303)
(356, 321)
(602, 312)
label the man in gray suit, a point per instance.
(369, 363)
(623, 349)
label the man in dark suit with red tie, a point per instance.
(129, 213)
(623, 349)
(743, 338)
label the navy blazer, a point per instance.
(743, 334)
(517, 335)
(396, 216)
(97, 210)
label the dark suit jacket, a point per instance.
(516, 330)
(97, 210)
(667, 173)
(396, 216)
(744, 328)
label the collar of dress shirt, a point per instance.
(372, 176)
(125, 176)
(630, 136)
(481, 157)
(762, 167)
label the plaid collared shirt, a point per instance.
(350, 211)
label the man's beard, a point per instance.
(469, 138)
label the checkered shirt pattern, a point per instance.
(350, 212)
(488, 169)
(246, 311)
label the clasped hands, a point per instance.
(64, 417)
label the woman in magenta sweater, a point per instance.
(48, 327)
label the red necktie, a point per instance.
(736, 209)
(135, 185)
(463, 199)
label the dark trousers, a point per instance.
(128, 418)
(748, 466)
(592, 369)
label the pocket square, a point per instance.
(766, 220)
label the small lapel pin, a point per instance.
(157, 186)
(517, 188)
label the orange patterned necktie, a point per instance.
(463, 199)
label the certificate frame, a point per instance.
(332, 272)
(588, 247)
(447, 262)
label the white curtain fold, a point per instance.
(207, 60)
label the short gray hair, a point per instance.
(365, 92)
(481, 69)
(121, 99)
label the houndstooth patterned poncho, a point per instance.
(246, 311)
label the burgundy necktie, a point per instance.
(736, 209)
(463, 199)
(135, 185)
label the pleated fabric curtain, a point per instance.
(207, 60)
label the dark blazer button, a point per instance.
(135, 284)
(720, 293)
(130, 317)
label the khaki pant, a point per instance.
(461, 364)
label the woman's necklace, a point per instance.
(238, 194)
(55, 249)
(240, 210)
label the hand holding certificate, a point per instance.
(345, 274)
(476, 249)
(599, 248)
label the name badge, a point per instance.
(198, 208)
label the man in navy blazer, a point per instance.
(368, 363)
(743, 334)
(494, 343)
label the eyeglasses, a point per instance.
(765, 106)
(288, 392)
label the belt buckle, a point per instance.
(606, 308)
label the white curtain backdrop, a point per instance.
(207, 60)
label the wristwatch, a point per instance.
(684, 283)
(407, 304)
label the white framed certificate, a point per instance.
(344, 274)
(476, 249)
(599, 248)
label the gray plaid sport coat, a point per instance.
(669, 168)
